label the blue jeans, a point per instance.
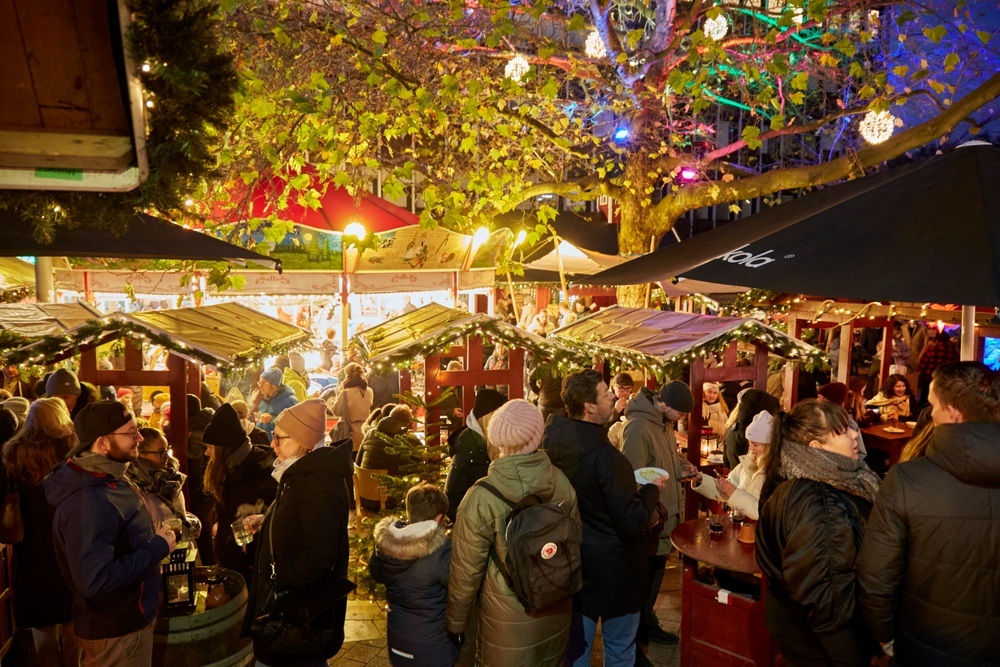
(618, 634)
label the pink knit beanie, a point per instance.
(305, 422)
(516, 428)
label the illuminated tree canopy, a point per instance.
(420, 92)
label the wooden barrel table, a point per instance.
(211, 638)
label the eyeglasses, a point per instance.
(278, 438)
(155, 452)
(132, 433)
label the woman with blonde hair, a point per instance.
(714, 411)
(42, 599)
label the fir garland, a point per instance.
(74, 340)
(190, 86)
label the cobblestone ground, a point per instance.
(365, 644)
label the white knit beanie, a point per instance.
(759, 429)
(516, 428)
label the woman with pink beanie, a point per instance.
(507, 634)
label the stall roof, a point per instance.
(33, 320)
(654, 337)
(225, 334)
(435, 328)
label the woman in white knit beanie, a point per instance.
(741, 489)
(507, 635)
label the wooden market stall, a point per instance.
(227, 335)
(667, 342)
(433, 332)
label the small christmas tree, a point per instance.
(426, 462)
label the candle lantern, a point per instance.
(177, 576)
(709, 441)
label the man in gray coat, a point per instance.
(648, 441)
(927, 570)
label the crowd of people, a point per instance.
(854, 565)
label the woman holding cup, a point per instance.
(741, 488)
(238, 478)
(815, 503)
(302, 539)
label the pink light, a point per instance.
(688, 173)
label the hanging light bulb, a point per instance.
(715, 29)
(877, 126)
(516, 68)
(595, 46)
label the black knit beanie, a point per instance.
(225, 429)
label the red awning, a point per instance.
(338, 208)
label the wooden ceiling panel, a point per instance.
(19, 108)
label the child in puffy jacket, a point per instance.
(412, 558)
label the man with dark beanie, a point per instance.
(648, 441)
(238, 479)
(470, 455)
(106, 545)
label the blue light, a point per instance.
(621, 135)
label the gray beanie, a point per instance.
(62, 382)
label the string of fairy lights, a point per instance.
(565, 357)
(43, 350)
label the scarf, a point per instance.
(282, 466)
(841, 472)
(358, 382)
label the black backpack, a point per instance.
(543, 564)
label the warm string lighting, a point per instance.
(717, 28)
(516, 68)
(877, 126)
(595, 46)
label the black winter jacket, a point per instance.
(614, 516)
(249, 487)
(308, 524)
(929, 570)
(412, 562)
(807, 542)
(470, 462)
(373, 455)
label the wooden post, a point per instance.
(515, 371)
(432, 417)
(694, 434)
(177, 375)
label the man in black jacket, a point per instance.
(928, 568)
(614, 515)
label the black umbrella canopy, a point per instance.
(146, 238)
(922, 232)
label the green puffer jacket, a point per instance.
(508, 636)
(647, 442)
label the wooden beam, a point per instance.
(84, 149)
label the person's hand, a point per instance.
(254, 522)
(620, 405)
(695, 480)
(887, 648)
(725, 487)
(168, 535)
(660, 482)
(266, 418)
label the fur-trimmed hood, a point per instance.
(401, 543)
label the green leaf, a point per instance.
(901, 70)
(951, 61)
(935, 34)
(984, 36)
(379, 36)
(751, 134)
(801, 81)
(576, 23)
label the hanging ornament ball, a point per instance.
(595, 46)
(877, 126)
(516, 68)
(716, 29)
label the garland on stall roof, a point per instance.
(748, 332)
(566, 358)
(47, 347)
(16, 294)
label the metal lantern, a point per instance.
(177, 577)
